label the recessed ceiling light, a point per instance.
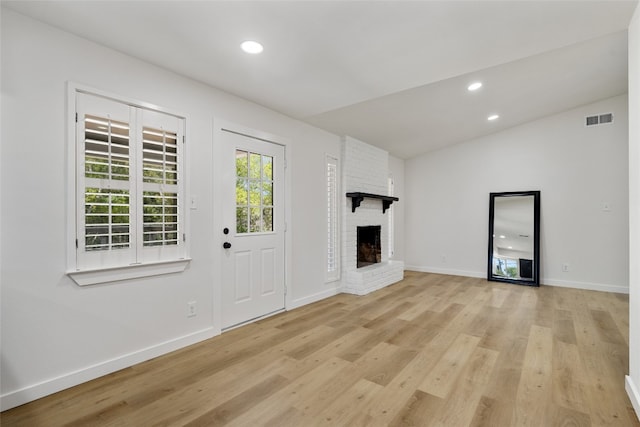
(252, 47)
(474, 86)
(493, 117)
(502, 236)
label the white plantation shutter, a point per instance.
(106, 191)
(333, 243)
(105, 234)
(162, 207)
(129, 186)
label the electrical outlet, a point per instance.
(443, 258)
(191, 309)
(565, 267)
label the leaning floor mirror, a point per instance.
(514, 237)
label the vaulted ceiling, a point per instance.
(390, 73)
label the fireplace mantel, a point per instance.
(357, 198)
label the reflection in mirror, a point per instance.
(514, 236)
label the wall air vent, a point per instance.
(606, 118)
(599, 119)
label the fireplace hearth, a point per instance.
(369, 245)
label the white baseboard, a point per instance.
(313, 298)
(448, 271)
(54, 385)
(585, 285)
(634, 396)
(545, 281)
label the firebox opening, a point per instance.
(369, 246)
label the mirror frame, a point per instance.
(536, 238)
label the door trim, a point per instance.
(221, 125)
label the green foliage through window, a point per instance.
(160, 218)
(106, 219)
(254, 192)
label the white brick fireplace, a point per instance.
(365, 170)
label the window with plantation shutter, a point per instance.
(106, 190)
(333, 243)
(129, 189)
(160, 187)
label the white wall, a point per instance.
(56, 334)
(633, 380)
(577, 169)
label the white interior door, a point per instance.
(253, 213)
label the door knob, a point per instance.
(226, 245)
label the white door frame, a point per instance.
(218, 238)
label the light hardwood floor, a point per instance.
(432, 350)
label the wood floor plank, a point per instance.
(529, 298)
(287, 417)
(370, 362)
(444, 375)
(318, 341)
(504, 325)
(193, 401)
(324, 395)
(418, 308)
(534, 390)
(481, 322)
(330, 350)
(606, 327)
(543, 314)
(492, 412)
(498, 296)
(431, 350)
(468, 294)
(468, 313)
(563, 328)
(569, 379)
(383, 373)
(385, 406)
(419, 408)
(460, 406)
(381, 334)
(391, 314)
(300, 392)
(504, 383)
(340, 412)
(558, 416)
(222, 414)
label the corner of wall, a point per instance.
(634, 211)
(632, 392)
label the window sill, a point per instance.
(116, 274)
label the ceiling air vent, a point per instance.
(600, 119)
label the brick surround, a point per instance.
(365, 169)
